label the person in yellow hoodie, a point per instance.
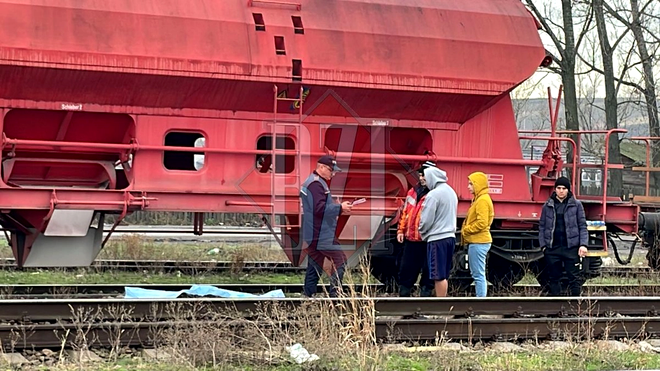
(475, 231)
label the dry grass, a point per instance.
(141, 247)
(330, 330)
(340, 332)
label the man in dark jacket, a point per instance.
(319, 225)
(564, 237)
(414, 257)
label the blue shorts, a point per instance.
(440, 255)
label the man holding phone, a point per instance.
(319, 225)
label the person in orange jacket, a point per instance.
(414, 257)
(476, 230)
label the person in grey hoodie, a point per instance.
(437, 226)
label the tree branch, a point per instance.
(616, 43)
(625, 69)
(616, 14)
(585, 29)
(547, 28)
(624, 82)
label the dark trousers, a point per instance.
(315, 269)
(413, 261)
(557, 261)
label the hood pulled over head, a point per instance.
(479, 183)
(434, 177)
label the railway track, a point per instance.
(49, 291)
(51, 323)
(196, 267)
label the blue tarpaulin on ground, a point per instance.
(198, 290)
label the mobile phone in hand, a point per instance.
(358, 201)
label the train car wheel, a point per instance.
(537, 268)
(503, 273)
(385, 269)
(653, 254)
(460, 280)
(460, 284)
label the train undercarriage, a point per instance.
(513, 254)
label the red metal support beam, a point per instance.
(61, 133)
(560, 139)
(340, 155)
(607, 165)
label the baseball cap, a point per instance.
(330, 161)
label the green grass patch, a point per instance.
(579, 359)
(141, 247)
(92, 276)
(84, 276)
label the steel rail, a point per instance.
(517, 328)
(168, 309)
(104, 290)
(210, 266)
(187, 267)
(147, 334)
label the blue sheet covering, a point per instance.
(198, 290)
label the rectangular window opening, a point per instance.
(259, 21)
(279, 45)
(187, 161)
(284, 164)
(297, 69)
(297, 25)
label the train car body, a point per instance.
(118, 106)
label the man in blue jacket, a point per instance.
(319, 225)
(564, 238)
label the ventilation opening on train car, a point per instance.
(378, 139)
(178, 160)
(259, 23)
(283, 163)
(45, 162)
(298, 25)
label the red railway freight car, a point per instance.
(118, 106)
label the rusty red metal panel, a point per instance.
(491, 134)
(92, 83)
(149, 34)
(395, 52)
(451, 46)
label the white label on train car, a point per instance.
(495, 183)
(72, 106)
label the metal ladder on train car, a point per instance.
(281, 181)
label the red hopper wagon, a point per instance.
(109, 107)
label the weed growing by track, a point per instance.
(141, 247)
(578, 358)
(343, 332)
(89, 276)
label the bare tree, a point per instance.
(527, 114)
(563, 38)
(590, 112)
(648, 90)
(614, 154)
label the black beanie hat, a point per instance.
(425, 165)
(563, 181)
